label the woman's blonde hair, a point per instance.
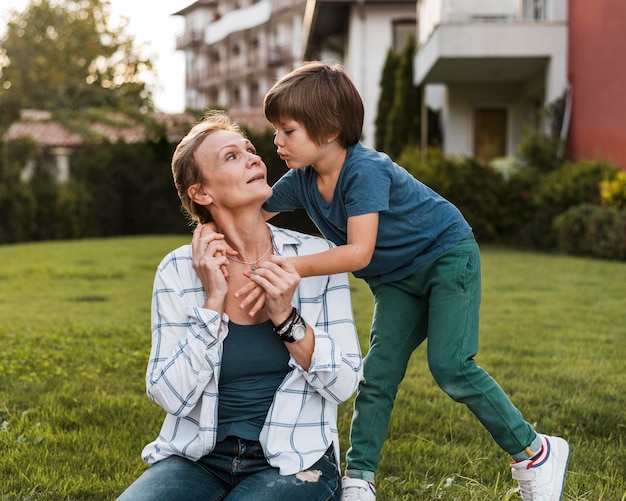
(185, 168)
(320, 97)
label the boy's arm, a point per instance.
(268, 215)
(355, 255)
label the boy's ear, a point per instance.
(331, 137)
(198, 194)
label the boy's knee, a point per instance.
(452, 381)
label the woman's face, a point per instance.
(234, 175)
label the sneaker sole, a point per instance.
(562, 451)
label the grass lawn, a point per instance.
(75, 337)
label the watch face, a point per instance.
(298, 331)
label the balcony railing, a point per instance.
(278, 5)
(494, 10)
(279, 56)
(249, 61)
(436, 12)
(191, 38)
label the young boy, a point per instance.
(420, 259)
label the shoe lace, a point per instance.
(527, 489)
(354, 494)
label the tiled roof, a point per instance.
(51, 134)
(176, 124)
(130, 135)
(44, 133)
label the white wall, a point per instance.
(370, 37)
(513, 41)
(460, 101)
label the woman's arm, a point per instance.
(187, 325)
(329, 357)
(278, 279)
(186, 346)
(268, 215)
(336, 364)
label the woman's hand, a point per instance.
(277, 280)
(208, 251)
(211, 227)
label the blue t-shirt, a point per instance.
(254, 363)
(415, 224)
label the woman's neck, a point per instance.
(250, 237)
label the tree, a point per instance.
(385, 100)
(403, 121)
(64, 55)
(17, 202)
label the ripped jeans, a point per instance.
(236, 470)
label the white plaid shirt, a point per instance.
(185, 361)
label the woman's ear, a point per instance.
(198, 194)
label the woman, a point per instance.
(251, 398)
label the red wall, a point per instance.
(597, 74)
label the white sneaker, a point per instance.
(355, 489)
(541, 478)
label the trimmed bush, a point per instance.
(570, 185)
(594, 231)
(478, 191)
(613, 191)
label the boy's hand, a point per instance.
(251, 293)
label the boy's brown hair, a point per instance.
(320, 97)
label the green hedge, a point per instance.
(572, 184)
(114, 189)
(479, 191)
(591, 230)
(520, 208)
(122, 189)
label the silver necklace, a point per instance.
(252, 264)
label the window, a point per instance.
(402, 30)
(236, 98)
(535, 9)
(255, 95)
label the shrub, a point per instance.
(594, 231)
(540, 152)
(17, 202)
(477, 190)
(613, 191)
(570, 185)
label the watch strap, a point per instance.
(285, 326)
(297, 325)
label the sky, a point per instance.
(155, 30)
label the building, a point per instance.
(235, 50)
(358, 34)
(57, 143)
(497, 62)
(597, 75)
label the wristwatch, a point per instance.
(293, 329)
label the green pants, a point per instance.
(439, 302)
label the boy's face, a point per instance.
(295, 146)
